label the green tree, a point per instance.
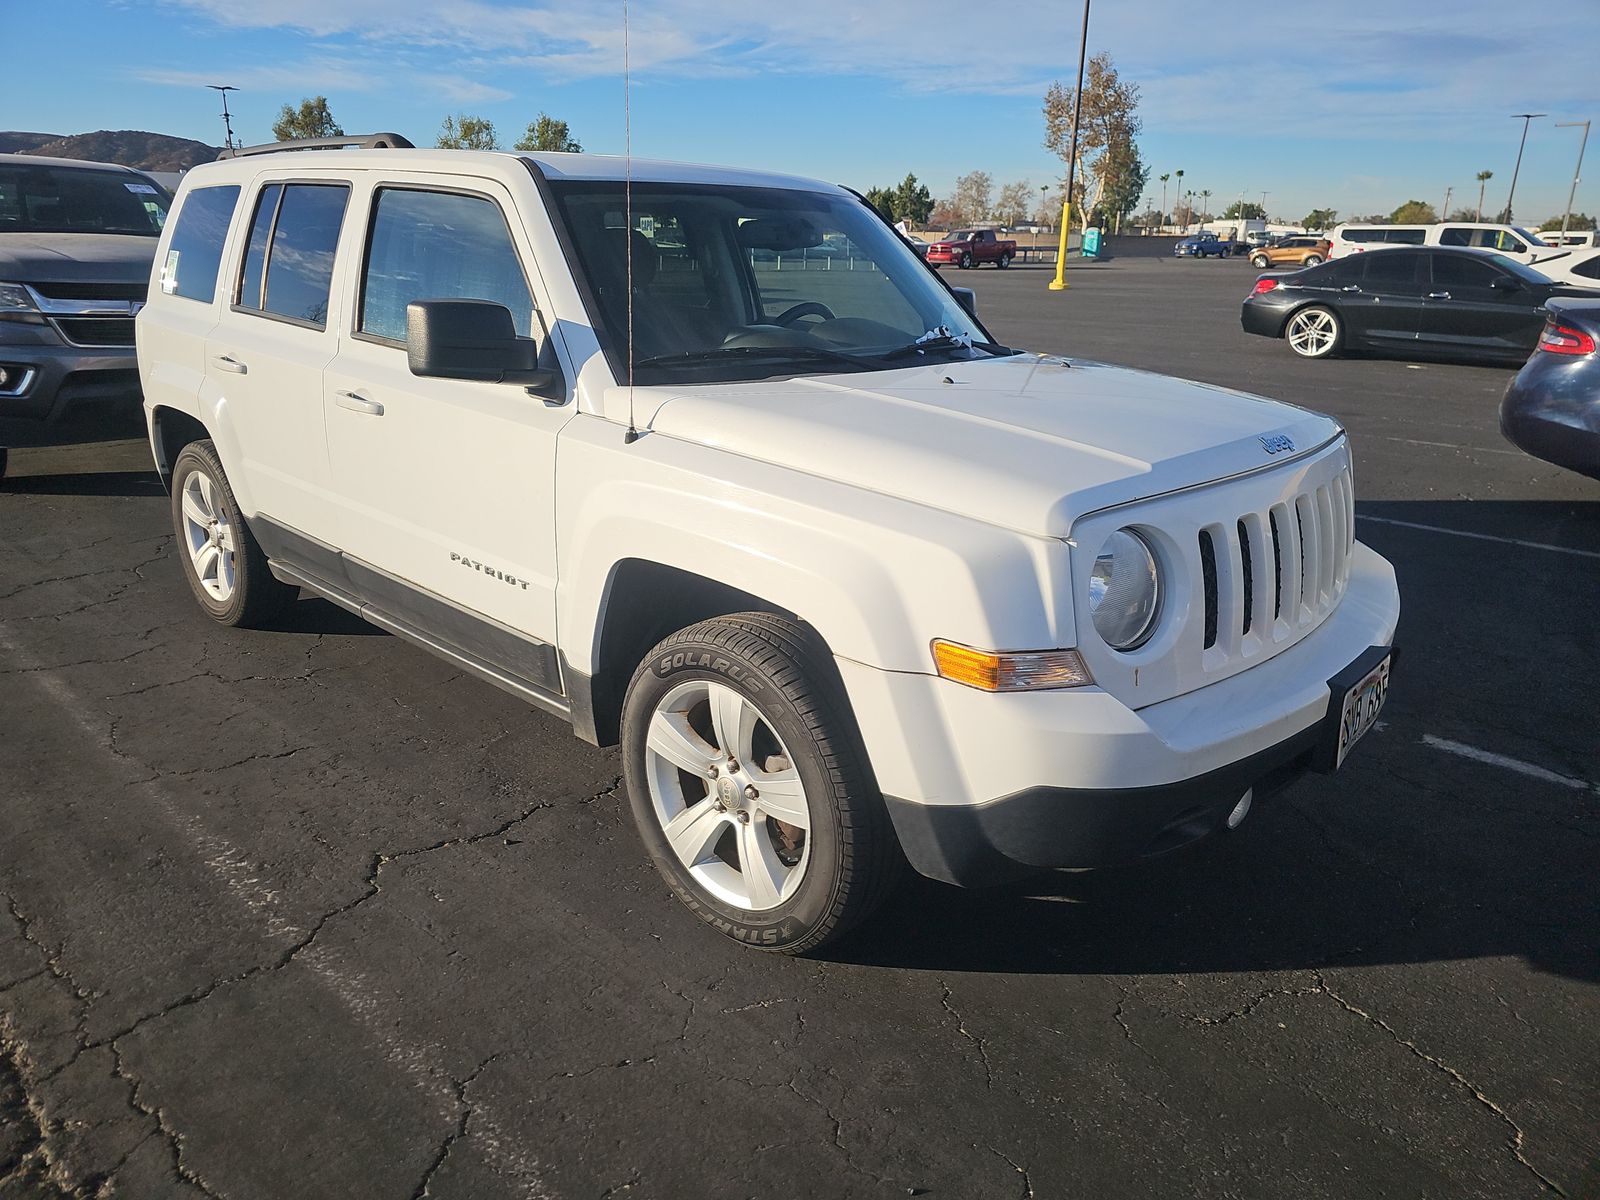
(1414, 212)
(1126, 175)
(547, 133)
(912, 201)
(1578, 221)
(881, 199)
(310, 120)
(467, 133)
(1321, 218)
(1108, 121)
(1249, 210)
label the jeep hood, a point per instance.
(76, 257)
(1028, 442)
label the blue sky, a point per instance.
(1358, 108)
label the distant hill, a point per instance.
(130, 147)
(15, 142)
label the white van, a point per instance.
(1511, 240)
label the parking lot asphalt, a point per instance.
(305, 913)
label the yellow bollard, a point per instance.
(1059, 283)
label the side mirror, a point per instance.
(968, 299)
(472, 339)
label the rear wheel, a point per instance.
(1314, 332)
(224, 564)
(1313, 260)
(750, 787)
(1003, 261)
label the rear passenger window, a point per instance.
(288, 265)
(1460, 271)
(438, 246)
(1390, 267)
(1406, 237)
(195, 252)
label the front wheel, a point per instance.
(1259, 261)
(1003, 261)
(1314, 332)
(224, 564)
(750, 787)
(966, 260)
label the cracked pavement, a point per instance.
(306, 913)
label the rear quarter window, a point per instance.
(194, 254)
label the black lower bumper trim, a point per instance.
(1046, 827)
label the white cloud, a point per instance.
(1365, 68)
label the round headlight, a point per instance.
(1124, 590)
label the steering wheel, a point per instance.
(808, 308)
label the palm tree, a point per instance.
(1205, 205)
(1164, 179)
(1179, 174)
(1483, 178)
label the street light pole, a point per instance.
(1573, 191)
(1059, 283)
(1527, 118)
(1444, 213)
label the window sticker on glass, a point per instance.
(169, 273)
(140, 189)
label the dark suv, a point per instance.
(77, 241)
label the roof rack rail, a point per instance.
(364, 141)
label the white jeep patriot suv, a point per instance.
(710, 464)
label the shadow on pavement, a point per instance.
(85, 483)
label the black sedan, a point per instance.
(1469, 304)
(1552, 408)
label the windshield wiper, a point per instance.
(729, 353)
(942, 341)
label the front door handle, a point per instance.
(356, 402)
(1351, 287)
(1438, 295)
(232, 365)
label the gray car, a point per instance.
(77, 241)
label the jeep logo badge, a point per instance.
(1276, 443)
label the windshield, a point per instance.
(733, 283)
(49, 199)
(1522, 233)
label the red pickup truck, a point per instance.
(969, 247)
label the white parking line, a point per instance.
(1450, 446)
(1482, 537)
(1531, 770)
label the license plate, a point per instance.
(1362, 704)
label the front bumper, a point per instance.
(984, 786)
(57, 377)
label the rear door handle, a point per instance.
(356, 402)
(1438, 295)
(232, 365)
(1351, 287)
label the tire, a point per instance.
(1259, 262)
(224, 564)
(768, 883)
(1312, 260)
(966, 260)
(1003, 261)
(1314, 332)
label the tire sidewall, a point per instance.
(196, 458)
(798, 917)
(966, 261)
(1259, 263)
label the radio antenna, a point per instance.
(227, 120)
(627, 206)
